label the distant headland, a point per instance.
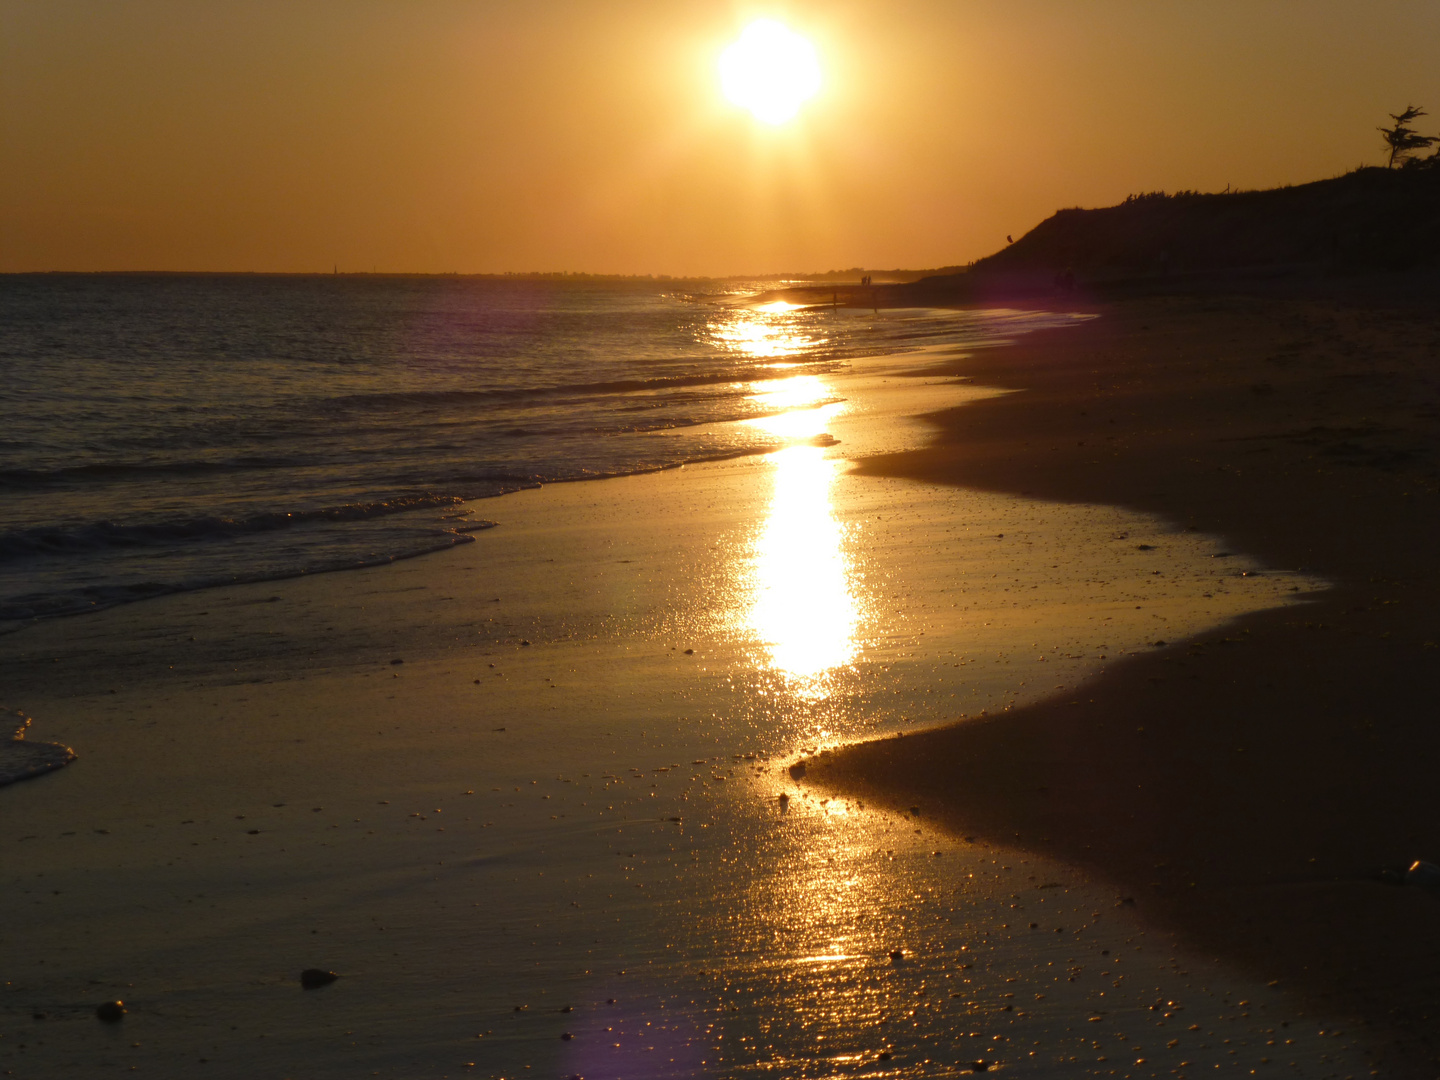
(1369, 221)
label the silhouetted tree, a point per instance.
(1402, 139)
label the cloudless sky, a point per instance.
(489, 135)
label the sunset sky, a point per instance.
(487, 136)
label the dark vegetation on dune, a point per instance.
(1368, 219)
(1372, 221)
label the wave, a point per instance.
(18, 612)
(127, 470)
(95, 536)
(613, 386)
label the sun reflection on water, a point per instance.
(764, 331)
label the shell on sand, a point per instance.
(20, 760)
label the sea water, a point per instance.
(171, 432)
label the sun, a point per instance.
(771, 71)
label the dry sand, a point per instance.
(529, 789)
(1247, 786)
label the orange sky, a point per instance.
(488, 135)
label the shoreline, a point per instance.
(477, 765)
(461, 527)
(1246, 786)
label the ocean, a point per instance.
(172, 432)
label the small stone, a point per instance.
(1424, 874)
(112, 1012)
(980, 1066)
(566, 1036)
(314, 978)
(897, 955)
(397, 660)
(797, 770)
(524, 643)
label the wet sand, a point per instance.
(1244, 786)
(530, 789)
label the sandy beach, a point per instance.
(525, 797)
(1246, 787)
(747, 542)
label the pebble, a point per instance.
(1424, 874)
(112, 1012)
(314, 978)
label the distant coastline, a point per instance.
(895, 276)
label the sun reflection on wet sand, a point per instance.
(796, 392)
(803, 606)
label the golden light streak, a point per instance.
(803, 608)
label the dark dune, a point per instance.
(1365, 220)
(1316, 237)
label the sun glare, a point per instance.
(771, 71)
